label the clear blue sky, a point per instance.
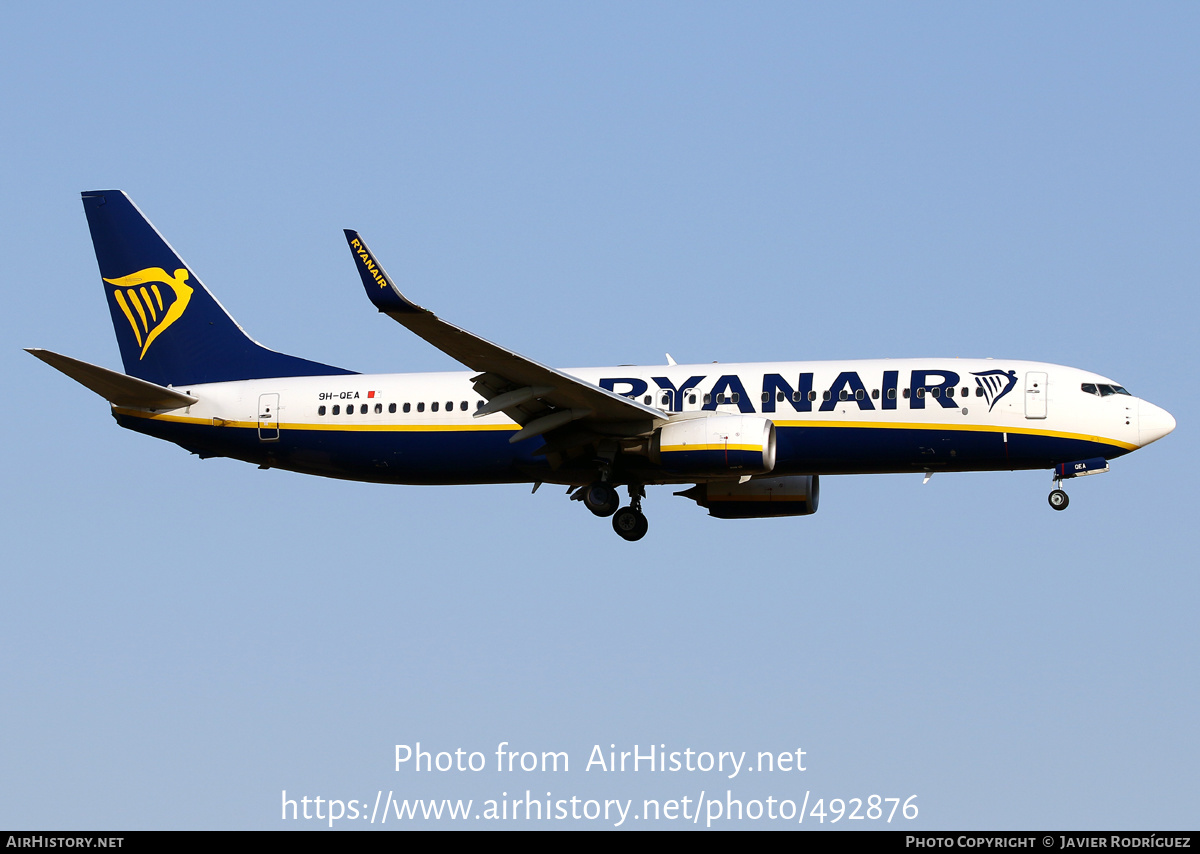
(183, 640)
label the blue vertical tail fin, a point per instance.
(170, 329)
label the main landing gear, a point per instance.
(629, 522)
(602, 499)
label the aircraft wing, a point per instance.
(537, 397)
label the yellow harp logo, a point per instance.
(138, 293)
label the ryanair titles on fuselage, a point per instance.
(944, 386)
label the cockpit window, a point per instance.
(1103, 390)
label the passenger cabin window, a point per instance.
(421, 406)
(825, 395)
(843, 395)
(378, 408)
(860, 394)
(979, 391)
(906, 394)
(812, 395)
(479, 404)
(892, 394)
(320, 410)
(874, 394)
(336, 409)
(449, 405)
(408, 407)
(646, 400)
(391, 407)
(463, 406)
(796, 396)
(433, 407)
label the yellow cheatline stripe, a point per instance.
(669, 449)
(343, 428)
(129, 314)
(404, 428)
(965, 428)
(510, 427)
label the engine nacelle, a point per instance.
(715, 445)
(759, 498)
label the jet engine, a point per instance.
(760, 498)
(715, 445)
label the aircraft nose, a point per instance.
(1153, 423)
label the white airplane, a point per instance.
(753, 439)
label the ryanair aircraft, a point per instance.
(749, 440)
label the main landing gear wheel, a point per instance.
(630, 524)
(1059, 500)
(601, 499)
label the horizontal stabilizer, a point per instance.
(117, 388)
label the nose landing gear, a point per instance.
(1063, 471)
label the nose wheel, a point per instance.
(1059, 500)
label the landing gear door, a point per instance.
(1035, 394)
(268, 417)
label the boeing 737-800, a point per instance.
(749, 440)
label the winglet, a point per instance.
(380, 288)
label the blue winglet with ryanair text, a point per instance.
(380, 288)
